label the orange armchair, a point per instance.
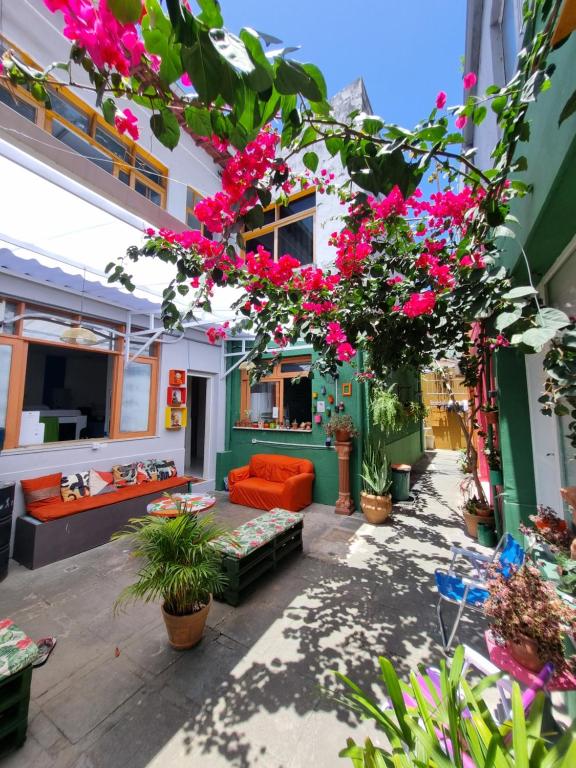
(271, 481)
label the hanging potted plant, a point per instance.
(375, 499)
(341, 427)
(180, 567)
(494, 466)
(527, 616)
(490, 414)
(476, 511)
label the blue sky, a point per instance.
(406, 50)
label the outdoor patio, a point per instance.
(113, 693)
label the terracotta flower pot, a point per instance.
(525, 652)
(186, 631)
(471, 521)
(376, 509)
(343, 436)
(491, 417)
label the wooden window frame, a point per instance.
(17, 382)
(44, 118)
(190, 209)
(278, 223)
(277, 377)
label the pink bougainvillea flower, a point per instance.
(419, 304)
(185, 80)
(441, 100)
(127, 122)
(470, 80)
(335, 334)
(345, 352)
(461, 121)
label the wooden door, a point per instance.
(444, 424)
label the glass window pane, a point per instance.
(5, 363)
(52, 330)
(124, 177)
(18, 105)
(299, 205)
(298, 400)
(192, 221)
(7, 315)
(148, 170)
(148, 192)
(83, 148)
(135, 397)
(297, 239)
(265, 240)
(192, 197)
(262, 401)
(113, 145)
(302, 366)
(71, 113)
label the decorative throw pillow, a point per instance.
(101, 482)
(124, 474)
(147, 471)
(166, 469)
(42, 490)
(75, 486)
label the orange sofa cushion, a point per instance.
(51, 511)
(272, 481)
(258, 493)
(277, 469)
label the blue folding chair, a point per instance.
(472, 592)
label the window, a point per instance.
(282, 398)
(55, 391)
(84, 131)
(288, 229)
(192, 198)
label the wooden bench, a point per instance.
(256, 547)
(17, 652)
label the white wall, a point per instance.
(192, 353)
(31, 27)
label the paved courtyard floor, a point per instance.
(115, 695)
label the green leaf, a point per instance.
(505, 319)
(262, 76)
(318, 77)
(39, 92)
(519, 729)
(126, 11)
(479, 114)
(520, 292)
(503, 231)
(538, 337)
(109, 110)
(334, 144)
(498, 104)
(204, 67)
(310, 160)
(553, 318)
(210, 15)
(165, 127)
(292, 78)
(568, 109)
(232, 48)
(198, 120)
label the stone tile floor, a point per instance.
(115, 695)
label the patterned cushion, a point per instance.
(17, 650)
(166, 469)
(147, 471)
(42, 490)
(75, 486)
(125, 474)
(101, 482)
(259, 531)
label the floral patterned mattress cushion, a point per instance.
(17, 650)
(259, 531)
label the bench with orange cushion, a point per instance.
(55, 531)
(270, 481)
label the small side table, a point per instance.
(500, 656)
(17, 652)
(194, 502)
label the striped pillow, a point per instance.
(75, 486)
(125, 474)
(42, 490)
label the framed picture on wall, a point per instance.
(177, 377)
(175, 418)
(347, 389)
(176, 396)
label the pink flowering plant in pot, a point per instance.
(527, 615)
(411, 277)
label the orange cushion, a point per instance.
(42, 490)
(277, 468)
(257, 493)
(54, 510)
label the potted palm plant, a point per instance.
(375, 499)
(180, 567)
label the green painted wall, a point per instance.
(403, 447)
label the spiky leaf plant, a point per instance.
(181, 565)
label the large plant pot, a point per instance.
(491, 417)
(471, 521)
(342, 436)
(525, 652)
(186, 631)
(376, 509)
